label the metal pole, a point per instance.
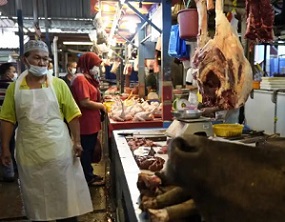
(20, 29)
(264, 58)
(143, 17)
(47, 25)
(36, 20)
(165, 83)
(141, 73)
(122, 80)
(55, 56)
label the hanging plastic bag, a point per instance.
(177, 47)
(115, 67)
(128, 69)
(173, 41)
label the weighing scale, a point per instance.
(184, 127)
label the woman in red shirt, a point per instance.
(85, 89)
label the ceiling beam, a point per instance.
(143, 17)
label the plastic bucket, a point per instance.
(188, 23)
(277, 66)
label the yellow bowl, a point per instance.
(227, 130)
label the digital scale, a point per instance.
(183, 127)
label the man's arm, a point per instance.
(191, 87)
(7, 129)
(210, 110)
(75, 134)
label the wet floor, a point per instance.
(11, 208)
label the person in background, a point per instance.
(52, 182)
(191, 84)
(85, 89)
(151, 84)
(50, 68)
(8, 74)
(71, 70)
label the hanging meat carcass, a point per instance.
(260, 19)
(224, 74)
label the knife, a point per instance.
(141, 134)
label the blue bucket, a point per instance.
(277, 65)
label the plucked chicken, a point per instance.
(134, 110)
(224, 75)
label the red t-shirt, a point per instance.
(90, 120)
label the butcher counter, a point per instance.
(124, 176)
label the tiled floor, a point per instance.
(11, 208)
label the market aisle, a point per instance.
(11, 208)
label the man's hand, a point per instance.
(6, 158)
(77, 148)
(209, 110)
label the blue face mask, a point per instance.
(38, 70)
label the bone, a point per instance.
(210, 5)
(202, 37)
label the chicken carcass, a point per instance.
(224, 74)
(143, 116)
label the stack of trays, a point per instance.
(272, 83)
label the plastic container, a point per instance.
(193, 100)
(188, 23)
(277, 66)
(255, 84)
(227, 130)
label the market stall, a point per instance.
(225, 81)
(147, 47)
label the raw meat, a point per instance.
(230, 182)
(224, 75)
(260, 19)
(135, 143)
(148, 183)
(152, 163)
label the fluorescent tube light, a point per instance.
(77, 43)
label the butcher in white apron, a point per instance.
(52, 182)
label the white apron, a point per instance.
(52, 181)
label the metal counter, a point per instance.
(124, 174)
